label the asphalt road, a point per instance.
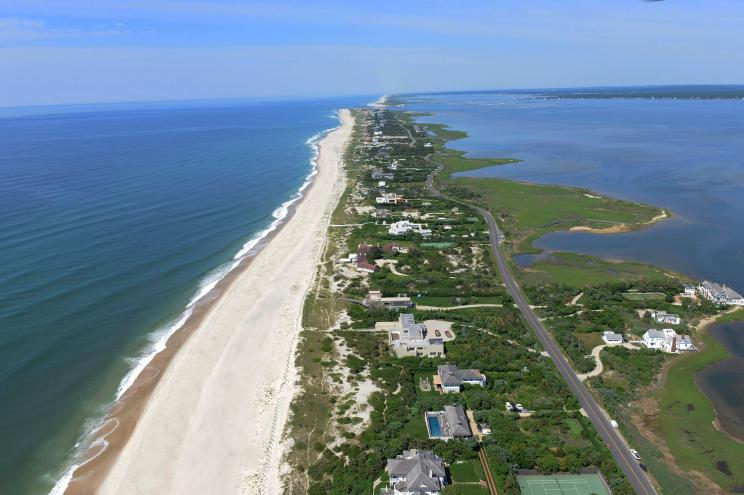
(611, 436)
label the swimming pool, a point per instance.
(435, 430)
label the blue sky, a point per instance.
(75, 51)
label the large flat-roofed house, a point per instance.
(720, 294)
(452, 379)
(404, 226)
(416, 472)
(375, 300)
(410, 339)
(388, 199)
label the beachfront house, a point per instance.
(720, 294)
(668, 340)
(450, 379)
(664, 317)
(388, 198)
(612, 338)
(416, 472)
(689, 290)
(375, 300)
(405, 226)
(450, 423)
(362, 262)
(410, 339)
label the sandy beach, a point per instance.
(213, 421)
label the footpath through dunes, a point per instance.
(213, 422)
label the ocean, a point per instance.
(114, 220)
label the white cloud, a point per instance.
(18, 29)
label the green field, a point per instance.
(644, 296)
(685, 420)
(467, 471)
(579, 270)
(570, 484)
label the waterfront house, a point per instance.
(664, 317)
(612, 338)
(416, 472)
(405, 226)
(410, 339)
(689, 290)
(720, 294)
(668, 340)
(450, 423)
(451, 379)
(375, 300)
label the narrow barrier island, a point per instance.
(413, 353)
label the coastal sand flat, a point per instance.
(214, 422)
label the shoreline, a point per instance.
(623, 227)
(221, 312)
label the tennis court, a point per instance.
(568, 484)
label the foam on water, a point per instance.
(159, 338)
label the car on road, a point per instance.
(642, 466)
(636, 455)
(613, 423)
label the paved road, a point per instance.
(612, 437)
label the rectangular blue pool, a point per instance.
(435, 430)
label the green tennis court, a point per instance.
(560, 484)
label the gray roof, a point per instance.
(656, 334)
(457, 421)
(407, 319)
(608, 335)
(453, 377)
(421, 470)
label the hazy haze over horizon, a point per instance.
(85, 51)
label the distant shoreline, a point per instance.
(148, 395)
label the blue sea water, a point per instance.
(686, 155)
(112, 221)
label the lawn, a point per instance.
(467, 471)
(465, 490)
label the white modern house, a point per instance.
(668, 340)
(612, 338)
(720, 294)
(410, 339)
(404, 226)
(664, 317)
(387, 198)
(416, 472)
(689, 290)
